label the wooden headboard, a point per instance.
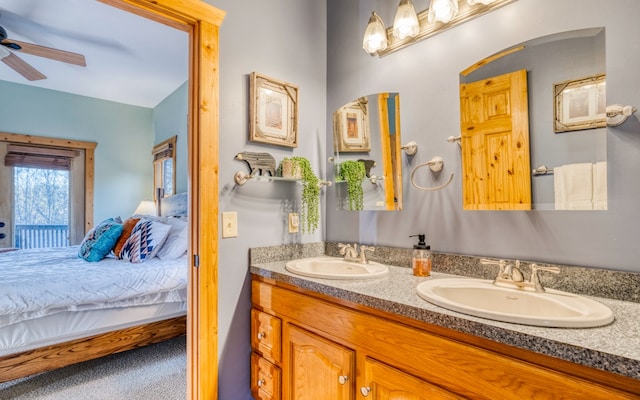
(173, 206)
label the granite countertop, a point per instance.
(614, 348)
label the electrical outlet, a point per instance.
(229, 224)
(294, 223)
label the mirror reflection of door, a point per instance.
(495, 143)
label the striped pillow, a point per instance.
(145, 241)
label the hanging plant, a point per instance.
(353, 172)
(310, 208)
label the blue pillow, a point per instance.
(100, 240)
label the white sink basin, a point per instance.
(336, 268)
(481, 298)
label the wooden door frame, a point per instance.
(202, 21)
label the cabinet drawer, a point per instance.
(265, 379)
(266, 333)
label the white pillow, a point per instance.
(177, 241)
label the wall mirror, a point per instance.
(367, 129)
(514, 157)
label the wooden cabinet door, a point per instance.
(316, 368)
(382, 382)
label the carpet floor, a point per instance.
(155, 372)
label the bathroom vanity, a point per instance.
(332, 339)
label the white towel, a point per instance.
(600, 185)
(573, 185)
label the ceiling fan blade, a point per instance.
(21, 67)
(48, 52)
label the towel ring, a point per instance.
(435, 164)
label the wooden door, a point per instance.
(316, 368)
(383, 382)
(494, 120)
(202, 21)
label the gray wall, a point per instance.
(122, 170)
(286, 40)
(426, 76)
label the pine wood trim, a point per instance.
(202, 21)
(490, 59)
(56, 356)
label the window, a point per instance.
(41, 194)
(164, 167)
(49, 182)
(41, 207)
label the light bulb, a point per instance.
(405, 23)
(443, 10)
(375, 36)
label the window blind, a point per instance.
(26, 156)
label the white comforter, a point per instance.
(39, 282)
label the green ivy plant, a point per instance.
(353, 172)
(310, 209)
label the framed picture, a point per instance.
(273, 111)
(580, 104)
(351, 127)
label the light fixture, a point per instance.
(443, 10)
(449, 13)
(617, 114)
(405, 23)
(485, 2)
(375, 36)
(146, 207)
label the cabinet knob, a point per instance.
(261, 335)
(260, 382)
(365, 390)
(343, 379)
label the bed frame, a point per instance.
(60, 355)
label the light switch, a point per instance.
(229, 224)
(294, 223)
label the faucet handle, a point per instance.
(343, 248)
(534, 275)
(536, 268)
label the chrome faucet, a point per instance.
(512, 276)
(350, 252)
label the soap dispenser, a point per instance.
(421, 260)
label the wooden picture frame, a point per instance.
(273, 111)
(580, 104)
(351, 127)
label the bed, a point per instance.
(57, 309)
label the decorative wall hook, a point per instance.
(410, 148)
(617, 114)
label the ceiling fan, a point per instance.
(9, 46)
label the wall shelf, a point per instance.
(241, 178)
